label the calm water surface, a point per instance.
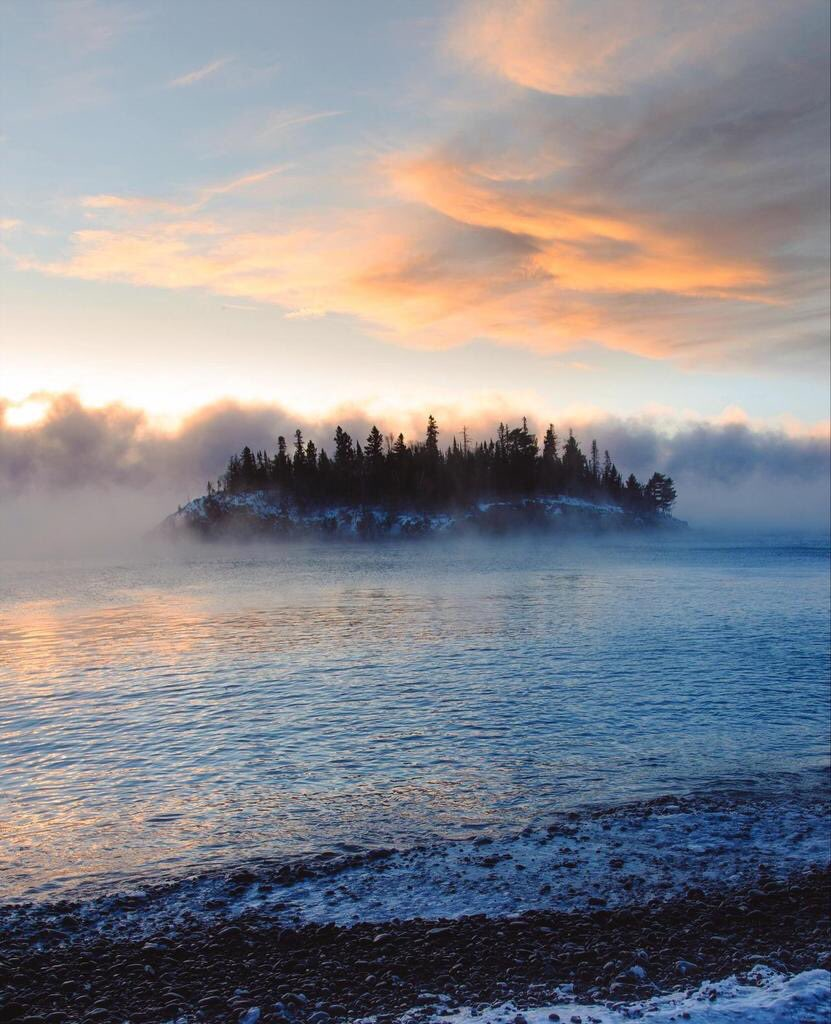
(169, 713)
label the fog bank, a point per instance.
(109, 472)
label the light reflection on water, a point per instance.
(160, 716)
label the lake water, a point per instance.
(186, 710)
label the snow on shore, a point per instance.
(622, 857)
(261, 510)
(761, 997)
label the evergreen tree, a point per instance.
(659, 493)
(281, 467)
(549, 446)
(431, 444)
(633, 492)
(374, 450)
(344, 453)
(248, 468)
(574, 463)
(299, 459)
(391, 470)
(400, 450)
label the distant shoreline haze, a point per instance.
(389, 471)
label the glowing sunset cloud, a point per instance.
(547, 176)
(572, 48)
(25, 414)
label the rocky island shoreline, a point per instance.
(264, 515)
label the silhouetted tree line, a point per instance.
(388, 470)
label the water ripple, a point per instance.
(161, 716)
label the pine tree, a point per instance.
(281, 467)
(659, 493)
(248, 468)
(549, 446)
(633, 492)
(389, 468)
(374, 450)
(299, 459)
(574, 463)
(344, 453)
(431, 444)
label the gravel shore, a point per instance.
(252, 969)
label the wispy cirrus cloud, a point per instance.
(244, 181)
(262, 128)
(199, 74)
(150, 206)
(281, 120)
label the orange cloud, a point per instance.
(460, 254)
(583, 249)
(472, 263)
(578, 47)
(682, 222)
(657, 182)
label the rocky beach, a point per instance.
(252, 969)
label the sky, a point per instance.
(584, 210)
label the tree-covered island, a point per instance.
(390, 485)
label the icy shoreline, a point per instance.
(261, 513)
(621, 856)
(761, 996)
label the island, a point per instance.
(389, 487)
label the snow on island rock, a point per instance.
(265, 514)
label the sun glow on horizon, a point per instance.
(28, 413)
